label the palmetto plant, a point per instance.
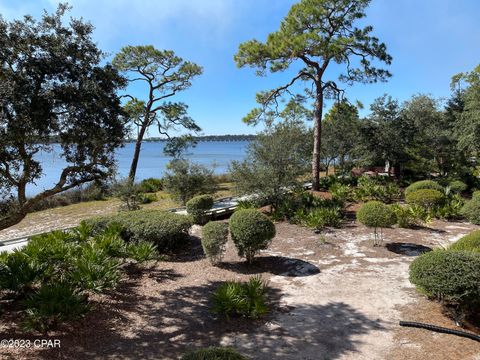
(241, 299)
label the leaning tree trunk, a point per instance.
(136, 155)
(317, 139)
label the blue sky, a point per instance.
(430, 40)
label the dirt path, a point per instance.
(335, 297)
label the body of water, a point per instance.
(216, 154)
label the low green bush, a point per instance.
(376, 215)
(148, 198)
(470, 242)
(214, 238)
(142, 251)
(422, 185)
(457, 186)
(427, 198)
(198, 206)
(476, 194)
(168, 231)
(451, 208)
(319, 218)
(213, 353)
(151, 185)
(452, 277)
(245, 299)
(18, 273)
(341, 193)
(471, 210)
(409, 216)
(251, 232)
(370, 189)
(52, 304)
(94, 270)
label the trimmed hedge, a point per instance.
(376, 214)
(214, 238)
(471, 210)
(198, 206)
(422, 185)
(251, 232)
(426, 198)
(470, 242)
(458, 186)
(213, 353)
(449, 276)
(168, 231)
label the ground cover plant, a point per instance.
(213, 353)
(470, 242)
(241, 299)
(52, 277)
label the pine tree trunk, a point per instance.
(136, 155)
(317, 139)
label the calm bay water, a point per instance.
(217, 154)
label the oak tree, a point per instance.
(54, 87)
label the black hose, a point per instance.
(440, 329)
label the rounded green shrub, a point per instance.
(424, 184)
(470, 242)
(458, 186)
(251, 232)
(213, 353)
(476, 194)
(214, 238)
(168, 231)
(471, 210)
(449, 276)
(426, 198)
(376, 214)
(197, 207)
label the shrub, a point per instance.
(476, 194)
(457, 186)
(151, 185)
(129, 194)
(451, 208)
(422, 185)
(185, 179)
(246, 299)
(52, 304)
(452, 277)
(318, 218)
(168, 231)
(471, 210)
(409, 215)
(214, 238)
(142, 251)
(470, 242)
(427, 198)
(213, 353)
(376, 214)
(94, 270)
(341, 193)
(369, 189)
(198, 206)
(251, 232)
(147, 198)
(18, 273)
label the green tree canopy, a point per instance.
(316, 33)
(53, 85)
(165, 75)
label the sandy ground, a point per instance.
(333, 295)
